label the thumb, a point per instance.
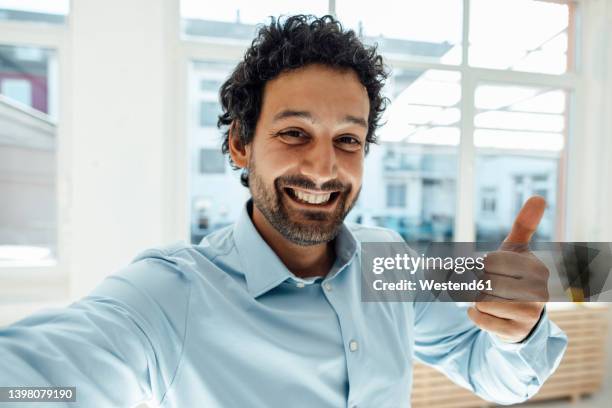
(526, 223)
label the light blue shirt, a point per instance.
(226, 324)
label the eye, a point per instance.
(293, 136)
(349, 143)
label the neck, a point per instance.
(302, 261)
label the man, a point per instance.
(267, 312)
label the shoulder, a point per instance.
(183, 254)
(373, 234)
(181, 263)
(153, 274)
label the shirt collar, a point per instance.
(263, 269)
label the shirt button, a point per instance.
(300, 284)
(327, 286)
(353, 345)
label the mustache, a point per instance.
(303, 182)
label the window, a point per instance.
(38, 11)
(423, 30)
(28, 209)
(210, 85)
(216, 196)
(237, 19)
(519, 135)
(418, 146)
(522, 35)
(27, 77)
(211, 161)
(19, 90)
(455, 135)
(209, 113)
(488, 201)
(396, 195)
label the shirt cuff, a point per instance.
(540, 352)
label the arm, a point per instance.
(504, 348)
(119, 345)
(505, 373)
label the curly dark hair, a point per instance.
(291, 43)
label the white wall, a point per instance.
(121, 113)
(590, 171)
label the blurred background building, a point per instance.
(109, 144)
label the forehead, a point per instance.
(319, 89)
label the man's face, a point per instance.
(306, 159)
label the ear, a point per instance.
(238, 152)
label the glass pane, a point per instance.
(410, 177)
(28, 221)
(238, 19)
(216, 193)
(425, 30)
(42, 11)
(522, 35)
(519, 137)
(27, 77)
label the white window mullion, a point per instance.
(464, 215)
(465, 185)
(465, 37)
(332, 7)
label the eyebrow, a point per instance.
(288, 113)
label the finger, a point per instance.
(524, 290)
(526, 222)
(486, 297)
(493, 324)
(517, 265)
(520, 311)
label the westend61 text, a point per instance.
(429, 285)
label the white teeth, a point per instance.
(312, 198)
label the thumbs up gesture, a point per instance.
(518, 279)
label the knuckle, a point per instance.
(481, 306)
(545, 295)
(532, 314)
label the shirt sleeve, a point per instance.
(500, 372)
(117, 346)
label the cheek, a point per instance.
(351, 170)
(272, 161)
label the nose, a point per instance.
(319, 163)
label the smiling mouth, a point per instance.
(320, 199)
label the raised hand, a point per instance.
(518, 279)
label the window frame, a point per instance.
(46, 283)
(396, 193)
(465, 226)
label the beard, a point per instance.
(318, 226)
